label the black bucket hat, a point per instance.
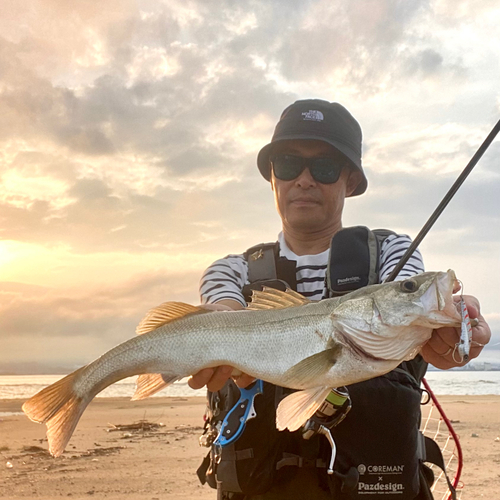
(323, 121)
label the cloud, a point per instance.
(97, 318)
(130, 132)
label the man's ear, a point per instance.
(355, 177)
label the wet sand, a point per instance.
(159, 460)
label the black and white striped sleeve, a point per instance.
(392, 250)
(224, 279)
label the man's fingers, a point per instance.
(244, 380)
(471, 302)
(200, 379)
(219, 378)
(442, 348)
(213, 378)
(444, 338)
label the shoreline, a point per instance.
(160, 461)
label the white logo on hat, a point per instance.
(314, 115)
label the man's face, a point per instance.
(305, 204)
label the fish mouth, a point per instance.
(437, 301)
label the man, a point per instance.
(313, 163)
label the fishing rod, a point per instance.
(449, 195)
(451, 492)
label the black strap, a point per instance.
(261, 260)
(267, 268)
(290, 459)
(201, 472)
(434, 456)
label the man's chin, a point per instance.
(306, 224)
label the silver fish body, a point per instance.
(283, 339)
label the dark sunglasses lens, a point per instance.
(325, 170)
(286, 168)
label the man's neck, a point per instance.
(301, 243)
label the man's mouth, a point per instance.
(305, 201)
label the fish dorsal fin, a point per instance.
(165, 313)
(270, 298)
(298, 407)
(307, 371)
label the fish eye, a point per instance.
(409, 286)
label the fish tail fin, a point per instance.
(60, 408)
(150, 383)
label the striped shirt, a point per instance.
(226, 277)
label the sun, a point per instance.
(7, 253)
(4, 253)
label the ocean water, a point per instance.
(464, 382)
(25, 386)
(453, 382)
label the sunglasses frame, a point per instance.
(312, 165)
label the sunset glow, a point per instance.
(130, 132)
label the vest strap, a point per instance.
(434, 456)
(289, 459)
(261, 262)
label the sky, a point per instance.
(129, 133)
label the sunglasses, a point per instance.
(289, 167)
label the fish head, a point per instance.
(393, 320)
(424, 300)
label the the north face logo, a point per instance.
(313, 115)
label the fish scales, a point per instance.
(285, 339)
(276, 339)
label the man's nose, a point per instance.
(305, 179)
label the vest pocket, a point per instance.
(379, 440)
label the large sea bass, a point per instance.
(284, 339)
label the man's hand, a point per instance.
(215, 378)
(440, 350)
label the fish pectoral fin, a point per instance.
(165, 313)
(298, 407)
(150, 383)
(270, 298)
(307, 371)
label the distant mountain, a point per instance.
(473, 366)
(34, 369)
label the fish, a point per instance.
(282, 338)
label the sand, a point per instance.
(159, 462)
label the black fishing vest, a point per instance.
(380, 449)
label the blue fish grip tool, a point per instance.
(235, 421)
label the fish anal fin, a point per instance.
(60, 408)
(165, 313)
(298, 407)
(270, 298)
(307, 371)
(150, 383)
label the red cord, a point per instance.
(456, 479)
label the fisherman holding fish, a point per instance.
(328, 404)
(313, 164)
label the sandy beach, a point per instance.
(159, 461)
